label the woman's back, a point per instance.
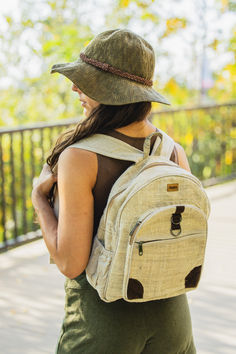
(93, 326)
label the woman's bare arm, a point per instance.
(77, 172)
(69, 239)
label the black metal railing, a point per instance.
(23, 151)
(208, 135)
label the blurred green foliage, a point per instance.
(207, 135)
(49, 31)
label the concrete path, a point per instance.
(213, 305)
(32, 294)
(31, 301)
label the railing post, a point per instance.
(13, 180)
(3, 197)
(23, 184)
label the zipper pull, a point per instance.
(140, 248)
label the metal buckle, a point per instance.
(178, 233)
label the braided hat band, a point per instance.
(111, 69)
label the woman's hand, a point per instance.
(43, 184)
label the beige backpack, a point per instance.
(152, 236)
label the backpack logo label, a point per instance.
(172, 187)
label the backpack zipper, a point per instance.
(159, 164)
(140, 243)
(111, 201)
(139, 223)
(167, 164)
(136, 227)
(134, 230)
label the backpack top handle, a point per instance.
(157, 145)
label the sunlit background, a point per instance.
(195, 45)
(194, 42)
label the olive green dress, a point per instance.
(92, 326)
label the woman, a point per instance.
(113, 80)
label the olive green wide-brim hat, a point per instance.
(116, 68)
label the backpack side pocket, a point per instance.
(98, 267)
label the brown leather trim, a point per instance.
(172, 187)
(193, 277)
(177, 217)
(135, 289)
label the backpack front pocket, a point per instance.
(162, 262)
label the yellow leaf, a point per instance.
(173, 25)
(53, 5)
(228, 157)
(171, 86)
(149, 16)
(224, 5)
(8, 19)
(233, 133)
(124, 3)
(189, 138)
(214, 44)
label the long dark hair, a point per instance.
(103, 119)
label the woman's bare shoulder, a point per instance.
(182, 157)
(79, 162)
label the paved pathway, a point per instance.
(213, 305)
(32, 295)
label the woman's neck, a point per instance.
(138, 129)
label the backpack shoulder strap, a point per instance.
(108, 146)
